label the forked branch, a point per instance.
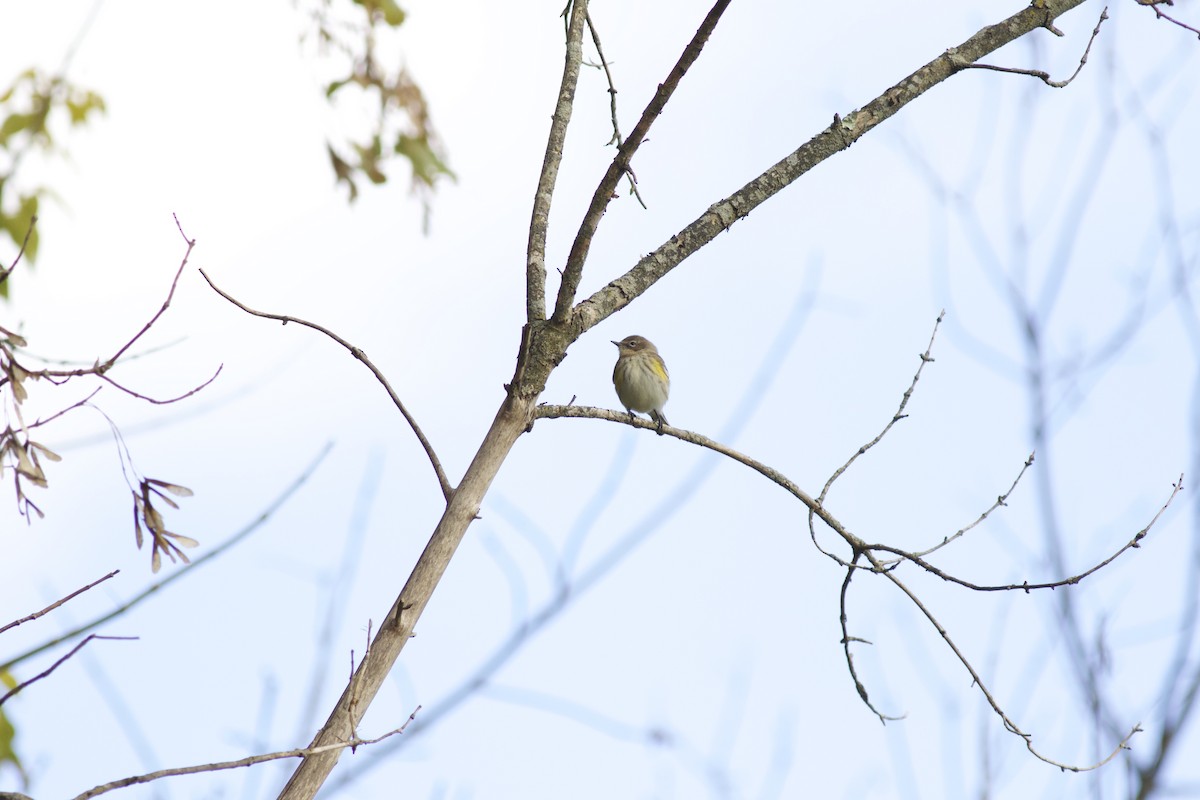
(861, 550)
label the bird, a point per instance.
(641, 379)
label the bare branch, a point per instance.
(73, 406)
(926, 358)
(1001, 501)
(862, 549)
(616, 139)
(4, 273)
(535, 255)
(241, 762)
(847, 639)
(1154, 4)
(101, 368)
(357, 352)
(59, 662)
(620, 163)
(1009, 725)
(840, 135)
(776, 477)
(1043, 75)
(1026, 586)
(191, 243)
(57, 603)
(169, 400)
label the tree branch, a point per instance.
(357, 352)
(57, 603)
(241, 762)
(617, 138)
(844, 132)
(1044, 76)
(535, 254)
(621, 162)
(4, 273)
(46, 672)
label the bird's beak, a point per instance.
(618, 344)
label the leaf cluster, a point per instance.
(29, 108)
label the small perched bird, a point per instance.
(641, 378)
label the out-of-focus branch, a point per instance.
(152, 589)
(860, 550)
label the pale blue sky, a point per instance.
(792, 336)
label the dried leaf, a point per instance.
(137, 523)
(173, 488)
(153, 519)
(29, 468)
(46, 451)
(15, 339)
(186, 541)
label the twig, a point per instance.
(612, 94)
(1009, 725)
(899, 415)
(100, 368)
(58, 602)
(4, 273)
(447, 490)
(59, 662)
(191, 243)
(1002, 500)
(862, 549)
(57, 414)
(183, 396)
(241, 762)
(624, 157)
(263, 516)
(1043, 75)
(847, 639)
(1154, 4)
(1026, 586)
(335, 604)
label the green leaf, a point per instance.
(14, 124)
(427, 166)
(8, 753)
(341, 169)
(80, 104)
(333, 87)
(392, 13)
(18, 224)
